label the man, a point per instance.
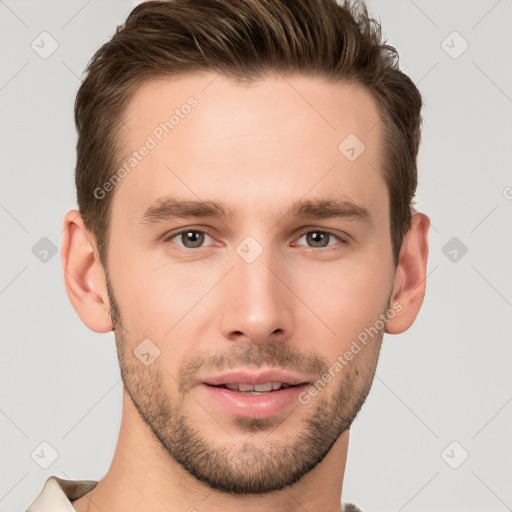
(245, 176)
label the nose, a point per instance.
(258, 306)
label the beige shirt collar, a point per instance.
(58, 493)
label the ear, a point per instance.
(410, 277)
(84, 276)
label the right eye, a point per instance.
(188, 238)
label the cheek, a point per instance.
(159, 299)
(345, 298)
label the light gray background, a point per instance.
(447, 379)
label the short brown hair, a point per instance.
(244, 40)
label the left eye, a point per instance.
(319, 239)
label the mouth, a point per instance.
(255, 389)
(255, 395)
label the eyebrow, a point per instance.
(170, 207)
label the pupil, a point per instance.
(317, 238)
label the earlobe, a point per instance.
(410, 277)
(84, 276)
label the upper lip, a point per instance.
(253, 378)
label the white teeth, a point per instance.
(259, 388)
(245, 387)
(263, 388)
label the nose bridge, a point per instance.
(258, 304)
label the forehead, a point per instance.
(277, 107)
(277, 137)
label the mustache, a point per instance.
(273, 354)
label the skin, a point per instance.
(298, 306)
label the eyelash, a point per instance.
(172, 235)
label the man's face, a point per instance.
(228, 300)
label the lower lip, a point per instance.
(255, 406)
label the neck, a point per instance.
(142, 476)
